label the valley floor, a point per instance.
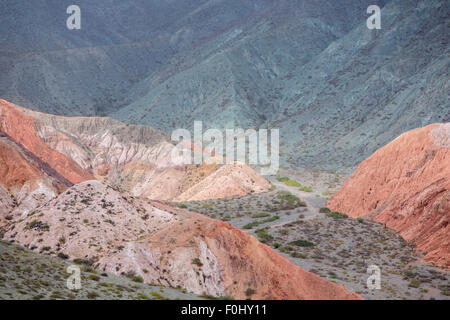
(337, 248)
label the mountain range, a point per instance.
(337, 90)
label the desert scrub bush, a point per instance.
(80, 261)
(290, 201)
(89, 269)
(92, 295)
(251, 225)
(62, 240)
(270, 219)
(337, 215)
(306, 189)
(260, 215)
(360, 220)
(326, 193)
(263, 235)
(332, 275)
(142, 296)
(39, 225)
(292, 183)
(63, 256)
(93, 277)
(197, 262)
(415, 283)
(302, 243)
(157, 295)
(324, 210)
(298, 255)
(283, 179)
(86, 201)
(182, 206)
(249, 292)
(445, 292)
(138, 279)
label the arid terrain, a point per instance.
(298, 225)
(51, 212)
(99, 171)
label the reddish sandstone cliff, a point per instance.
(23, 130)
(406, 185)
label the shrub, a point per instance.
(39, 225)
(324, 210)
(62, 240)
(337, 215)
(302, 243)
(182, 206)
(249, 292)
(261, 215)
(94, 277)
(333, 275)
(445, 292)
(415, 283)
(263, 235)
(290, 201)
(251, 225)
(283, 179)
(63, 256)
(306, 189)
(143, 296)
(137, 279)
(92, 295)
(298, 255)
(197, 262)
(292, 183)
(360, 220)
(157, 295)
(271, 219)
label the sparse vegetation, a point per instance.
(292, 183)
(415, 283)
(261, 215)
(197, 262)
(63, 256)
(337, 215)
(137, 279)
(302, 243)
(249, 292)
